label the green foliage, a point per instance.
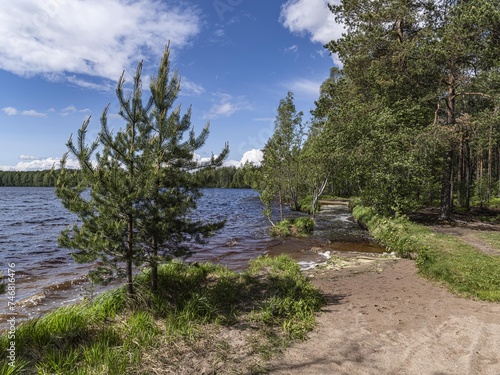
(397, 235)
(305, 205)
(280, 172)
(141, 191)
(443, 257)
(413, 113)
(113, 333)
(298, 227)
(465, 269)
(44, 178)
(246, 177)
(290, 301)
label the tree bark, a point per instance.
(447, 188)
(130, 254)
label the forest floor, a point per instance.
(381, 317)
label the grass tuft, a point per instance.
(299, 227)
(113, 334)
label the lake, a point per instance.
(47, 277)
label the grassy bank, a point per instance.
(197, 310)
(443, 257)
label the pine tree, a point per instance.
(133, 200)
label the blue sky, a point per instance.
(60, 60)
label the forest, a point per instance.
(410, 119)
(246, 177)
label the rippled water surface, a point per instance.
(47, 277)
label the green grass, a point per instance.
(463, 268)
(113, 333)
(491, 238)
(299, 227)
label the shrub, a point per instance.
(299, 227)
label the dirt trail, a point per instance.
(382, 318)
(469, 235)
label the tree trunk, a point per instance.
(490, 162)
(130, 255)
(154, 266)
(447, 188)
(316, 196)
(467, 174)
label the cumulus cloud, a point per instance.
(190, 88)
(226, 106)
(254, 156)
(33, 113)
(96, 38)
(31, 163)
(9, 111)
(27, 157)
(312, 17)
(72, 109)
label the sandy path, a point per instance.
(385, 319)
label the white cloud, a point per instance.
(227, 106)
(29, 163)
(305, 87)
(312, 17)
(27, 157)
(33, 113)
(190, 88)
(292, 49)
(200, 159)
(231, 163)
(219, 33)
(72, 109)
(254, 156)
(10, 111)
(96, 38)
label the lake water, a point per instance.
(47, 277)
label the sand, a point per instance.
(381, 317)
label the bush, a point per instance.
(305, 205)
(304, 225)
(299, 227)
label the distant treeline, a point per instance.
(45, 178)
(226, 177)
(247, 176)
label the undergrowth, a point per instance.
(299, 227)
(112, 334)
